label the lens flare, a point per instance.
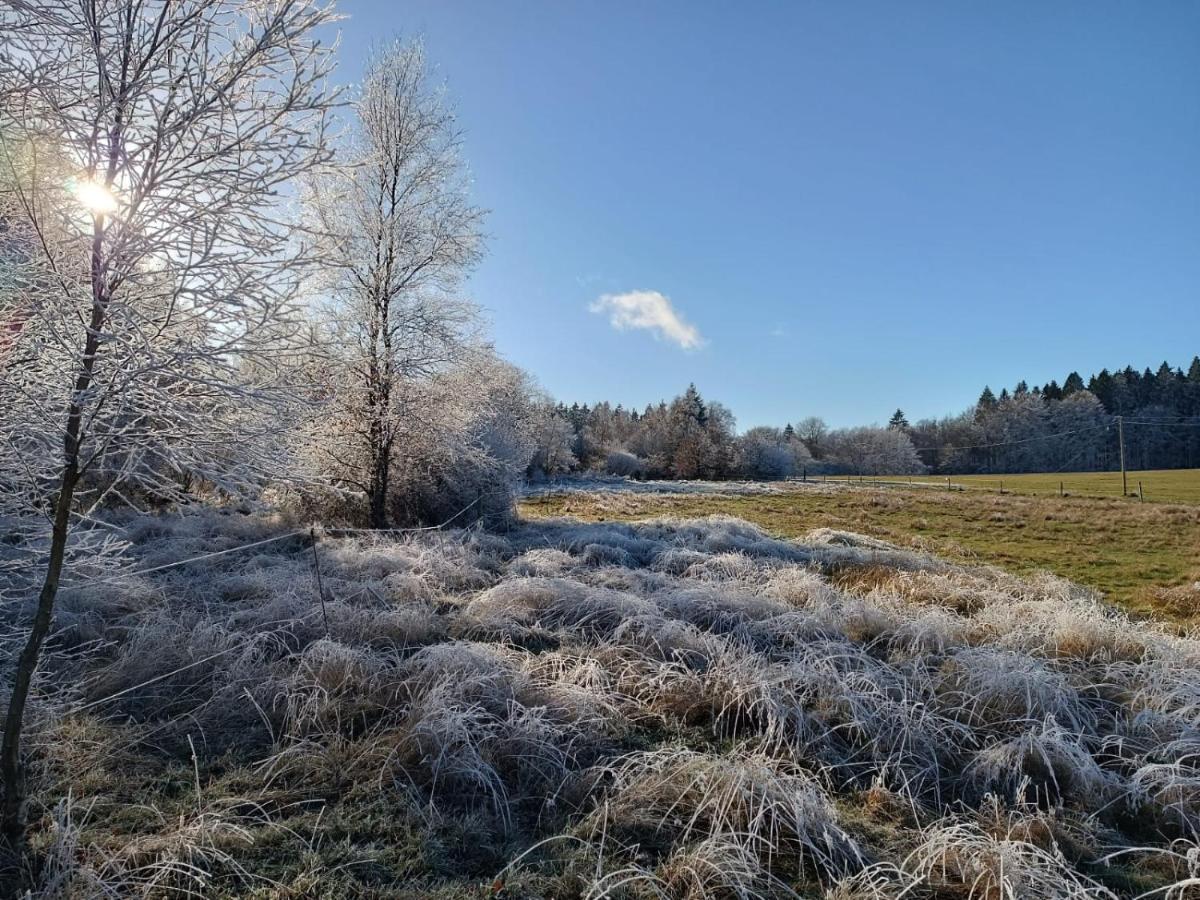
(96, 197)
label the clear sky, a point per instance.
(848, 206)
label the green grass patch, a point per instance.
(1156, 486)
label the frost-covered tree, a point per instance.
(1021, 427)
(871, 450)
(143, 150)
(400, 235)
(699, 437)
(554, 440)
(1077, 438)
(765, 452)
(813, 431)
(460, 459)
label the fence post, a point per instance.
(1141, 494)
(1060, 489)
(947, 482)
(312, 534)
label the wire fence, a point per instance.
(1160, 485)
(313, 536)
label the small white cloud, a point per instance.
(653, 312)
(779, 332)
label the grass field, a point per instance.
(1142, 556)
(679, 709)
(1159, 485)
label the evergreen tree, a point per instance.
(693, 404)
(1103, 387)
(898, 422)
(987, 400)
(1164, 392)
(1145, 394)
(789, 433)
(1073, 384)
(1052, 391)
(1021, 389)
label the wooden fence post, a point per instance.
(312, 533)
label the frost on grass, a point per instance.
(662, 709)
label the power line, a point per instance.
(1039, 437)
(1058, 434)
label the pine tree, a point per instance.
(1073, 384)
(987, 400)
(1145, 393)
(1164, 385)
(1052, 391)
(1194, 370)
(789, 433)
(693, 403)
(898, 422)
(1021, 389)
(1103, 387)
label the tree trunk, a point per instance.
(378, 494)
(12, 769)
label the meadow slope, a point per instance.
(673, 708)
(1144, 557)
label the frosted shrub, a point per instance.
(624, 465)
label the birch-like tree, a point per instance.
(401, 234)
(148, 263)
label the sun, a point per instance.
(96, 197)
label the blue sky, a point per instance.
(849, 206)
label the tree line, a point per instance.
(1051, 427)
(690, 438)
(1072, 426)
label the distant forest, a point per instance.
(1073, 426)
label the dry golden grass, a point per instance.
(683, 708)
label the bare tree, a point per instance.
(813, 432)
(148, 260)
(401, 235)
